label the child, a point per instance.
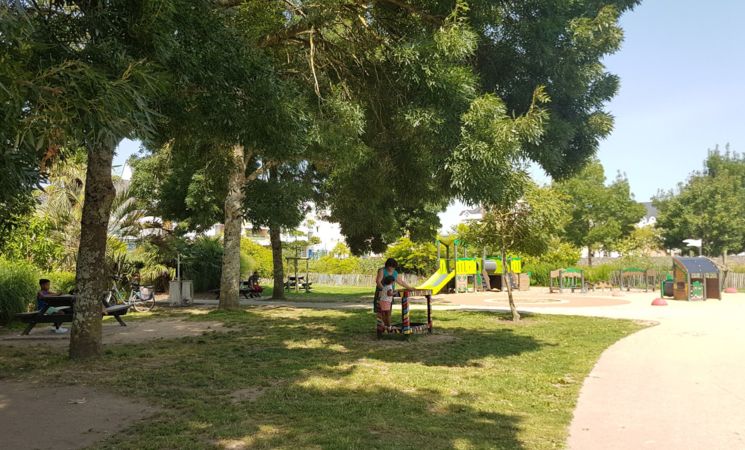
(44, 291)
(385, 300)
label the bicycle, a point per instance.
(141, 298)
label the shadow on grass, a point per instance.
(375, 418)
(450, 346)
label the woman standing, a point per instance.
(389, 269)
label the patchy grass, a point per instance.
(299, 378)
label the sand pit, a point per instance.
(62, 417)
(136, 331)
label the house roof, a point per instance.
(697, 264)
(651, 210)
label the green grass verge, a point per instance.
(319, 379)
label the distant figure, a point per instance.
(44, 291)
(254, 286)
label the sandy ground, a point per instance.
(136, 331)
(62, 417)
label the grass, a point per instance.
(319, 379)
(322, 293)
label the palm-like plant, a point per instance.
(61, 203)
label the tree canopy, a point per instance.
(601, 215)
(709, 206)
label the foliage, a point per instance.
(559, 44)
(260, 258)
(63, 282)
(347, 265)
(414, 257)
(526, 227)
(642, 241)
(202, 263)
(34, 241)
(19, 282)
(601, 215)
(709, 206)
(559, 255)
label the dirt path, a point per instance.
(136, 331)
(63, 417)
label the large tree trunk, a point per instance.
(231, 261)
(85, 339)
(506, 278)
(589, 256)
(278, 272)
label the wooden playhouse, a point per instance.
(696, 278)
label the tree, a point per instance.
(601, 216)
(710, 206)
(526, 227)
(88, 76)
(412, 257)
(559, 44)
(642, 241)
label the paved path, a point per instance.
(677, 385)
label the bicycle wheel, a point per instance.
(142, 304)
(110, 298)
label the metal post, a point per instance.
(429, 313)
(405, 322)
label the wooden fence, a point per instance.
(735, 280)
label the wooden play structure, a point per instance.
(642, 279)
(406, 327)
(694, 278)
(570, 278)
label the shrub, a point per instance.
(62, 282)
(255, 257)
(414, 257)
(19, 282)
(202, 263)
(561, 255)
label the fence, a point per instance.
(735, 280)
(354, 279)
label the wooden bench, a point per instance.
(245, 292)
(35, 317)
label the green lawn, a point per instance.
(322, 293)
(319, 379)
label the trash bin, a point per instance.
(667, 288)
(180, 292)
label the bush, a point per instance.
(19, 282)
(255, 257)
(202, 263)
(62, 282)
(414, 257)
(561, 255)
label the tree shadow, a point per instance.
(375, 418)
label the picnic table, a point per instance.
(297, 281)
(68, 302)
(245, 289)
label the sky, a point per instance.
(681, 68)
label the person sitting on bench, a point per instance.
(253, 284)
(44, 286)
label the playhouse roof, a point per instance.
(697, 264)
